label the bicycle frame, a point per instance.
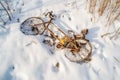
(69, 39)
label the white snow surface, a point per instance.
(25, 57)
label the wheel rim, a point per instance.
(32, 26)
(83, 54)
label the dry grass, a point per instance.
(92, 5)
(7, 11)
(5, 14)
(113, 12)
(102, 7)
(109, 8)
(113, 35)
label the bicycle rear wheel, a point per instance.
(32, 26)
(83, 54)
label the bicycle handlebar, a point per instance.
(50, 14)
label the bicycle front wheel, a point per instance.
(32, 26)
(83, 54)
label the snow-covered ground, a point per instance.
(25, 57)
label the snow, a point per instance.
(25, 57)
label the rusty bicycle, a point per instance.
(77, 47)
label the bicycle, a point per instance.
(76, 46)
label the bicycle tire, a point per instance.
(83, 54)
(32, 26)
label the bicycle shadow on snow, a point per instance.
(7, 75)
(93, 37)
